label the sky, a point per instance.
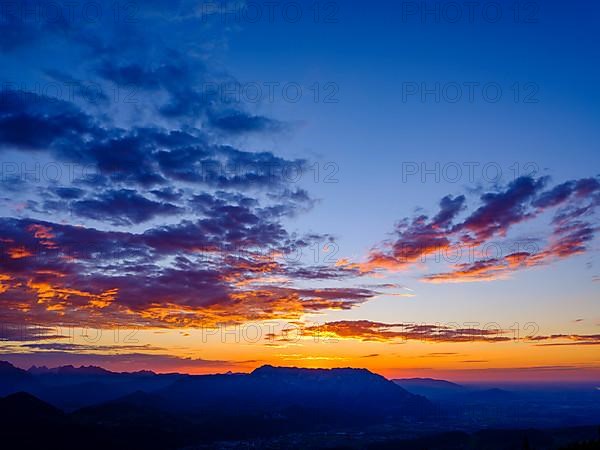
(410, 187)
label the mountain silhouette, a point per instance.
(431, 388)
(286, 407)
(427, 383)
(71, 388)
(21, 406)
(338, 394)
(13, 379)
(69, 370)
(27, 422)
(332, 394)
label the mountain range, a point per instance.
(69, 405)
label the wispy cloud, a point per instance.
(573, 228)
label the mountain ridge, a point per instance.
(266, 388)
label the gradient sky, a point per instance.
(210, 186)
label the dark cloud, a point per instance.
(141, 161)
(17, 332)
(71, 347)
(66, 193)
(239, 122)
(449, 208)
(57, 123)
(136, 75)
(555, 196)
(500, 210)
(560, 193)
(122, 207)
(566, 340)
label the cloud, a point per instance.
(53, 120)
(365, 330)
(17, 332)
(567, 340)
(573, 228)
(417, 238)
(70, 347)
(501, 210)
(220, 208)
(189, 274)
(562, 192)
(122, 207)
(449, 208)
(483, 270)
(238, 122)
(167, 222)
(158, 132)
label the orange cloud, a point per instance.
(365, 330)
(43, 234)
(18, 252)
(57, 298)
